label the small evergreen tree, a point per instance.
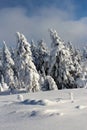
(0, 70)
(3, 84)
(77, 59)
(35, 53)
(85, 52)
(8, 63)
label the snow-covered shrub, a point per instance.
(49, 84)
(1, 88)
(3, 85)
(80, 82)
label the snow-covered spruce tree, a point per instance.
(85, 53)
(35, 54)
(77, 62)
(1, 65)
(27, 74)
(71, 49)
(12, 51)
(62, 67)
(83, 78)
(41, 56)
(8, 63)
(0, 54)
(76, 58)
(0, 70)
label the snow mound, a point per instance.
(34, 113)
(81, 107)
(52, 112)
(41, 113)
(20, 97)
(46, 113)
(44, 102)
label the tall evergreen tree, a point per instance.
(62, 67)
(41, 56)
(27, 74)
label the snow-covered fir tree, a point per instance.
(77, 62)
(41, 56)
(0, 70)
(7, 64)
(76, 58)
(0, 54)
(79, 74)
(71, 49)
(12, 51)
(35, 54)
(85, 53)
(62, 67)
(27, 74)
(1, 64)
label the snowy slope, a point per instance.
(51, 110)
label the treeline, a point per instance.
(35, 67)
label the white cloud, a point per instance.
(36, 26)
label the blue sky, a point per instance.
(80, 9)
(34, 17)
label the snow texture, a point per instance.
(44, 111)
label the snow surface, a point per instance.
(50, 110)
